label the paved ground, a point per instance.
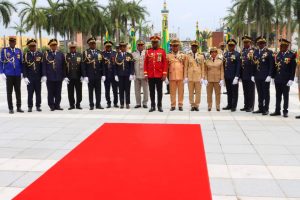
(249, 156)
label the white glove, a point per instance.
(167, 81)
(66, 80)
(221, 83)
(253, 79)
(103, 78)
(116, 78)
(81, 79)
(235, 81)
(44, 79)
(26, 81)
(205, 82)
(3, 77)
(186, 80)
(272, 81)
(268, 79)
(296, 80)
(131, 78)
(290, 83)
(22, 76)
(86, 79)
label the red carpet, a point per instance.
(129, 162)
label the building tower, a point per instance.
(165, 32)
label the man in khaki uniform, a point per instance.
(194, 74)
(213, 77)
(177, 62)
(140, 81)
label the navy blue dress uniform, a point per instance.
(264, 62)
(92, 71)
(11, 68)
(232, 63)
(74, 75)
(32, 73)
(54, 74)
(110, 73)
(283, 74)
(247, 75)
(124, 70)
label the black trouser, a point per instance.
(124, 89)
(232, 93)
(35, 86)
(282, 90)
(95, 85)
(114, 84)
(155, 83)
(54, 93)
(263, 91)
(13, 83)
(75, 84)
(249, 94)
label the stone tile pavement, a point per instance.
(250, 157)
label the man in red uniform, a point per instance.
(155, 69)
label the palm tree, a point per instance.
(54, 18)
(205, 35)
(20, 30)
(103, 24)
(33, 17)
(277, 20)
(288, 14)
(236, 22)
(297, 14)
(6, 9)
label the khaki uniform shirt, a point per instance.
(195, 68)
(177, 64)
(214, 70)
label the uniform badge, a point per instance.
(38, 59)
(159, 57)
(8, 54)
(128, 58)
(287, 60)
(99, 57)
(232, 58)
(78, 59)
(18, 56)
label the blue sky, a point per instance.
(182, 18)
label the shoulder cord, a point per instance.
(50, 61)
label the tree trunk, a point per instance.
(298, 42)
(21, 45)
(289, 29)
(117, 31)
(276, 35)
(249, 27)
(40, 37)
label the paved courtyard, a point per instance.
(249, 156)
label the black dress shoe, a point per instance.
(227, 108)
(192, 109)
(196, 109)
(265, 113)
(122, 106)
(38, 109)
(52, 109)
(127, 106)
(145, 106)
(167, 93)
(91, 108)
(180, 109)
(297, 117)
(249, 110)
(79, 107)
(243, 109)
(99, 107)
(160, 109)
(285, 115)
(11, 112)
(59, 108)
(172, 109)
(218, 109)
(29, 109)
(116, 106)
(137, 106)
(275, 114)
(152, 109)
(71, 108)
(108, 106)
(233, 109)
(19, 110)
(209, 109)
(257, 112)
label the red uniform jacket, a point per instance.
(155, 65)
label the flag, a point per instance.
(107, 37)
(165, 35)
(133, 39)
